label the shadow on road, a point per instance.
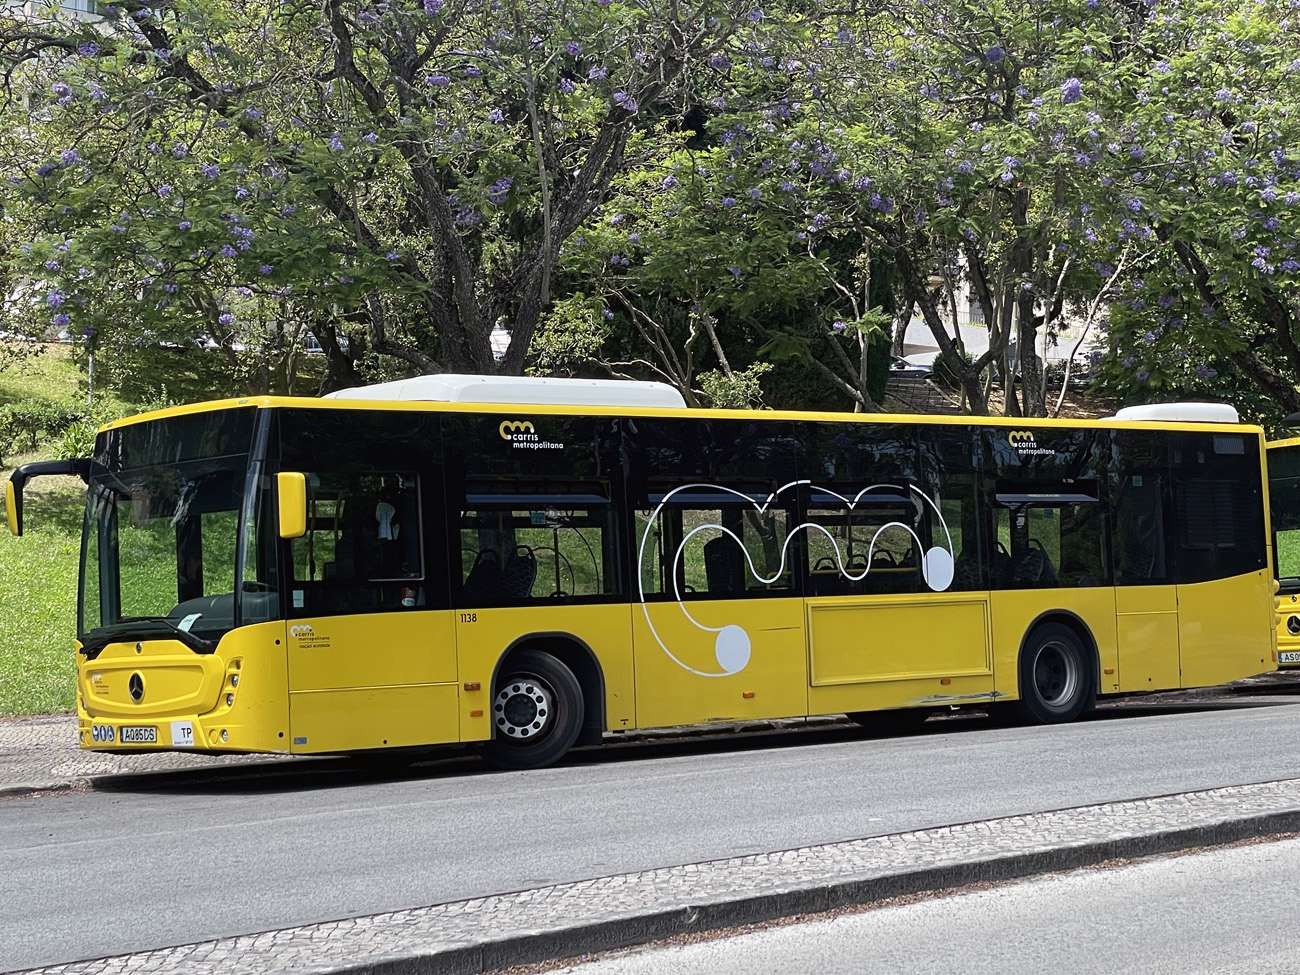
(347, 771)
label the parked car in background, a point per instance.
(906, 367)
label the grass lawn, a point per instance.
(38, 599)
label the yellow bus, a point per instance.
(1284, 510)
(534, 564)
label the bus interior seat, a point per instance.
(519, 573)
(1034, 565)
(484, 577)
(724, 568)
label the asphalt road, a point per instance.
(1228, 910)
(170, 861)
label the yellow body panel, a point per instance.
(898, 651)
(1015, 611)
(183, 688)
(1223, 629)
(689, 675)
(1146, 624)
(373, 717)
(1288, 643)
(372, 650)
(484, 635)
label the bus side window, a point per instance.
(363, 542)
(726, 552)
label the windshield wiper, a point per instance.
(93, 643)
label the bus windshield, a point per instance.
(161, 540)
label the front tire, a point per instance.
(537, 712)
(1056, 676)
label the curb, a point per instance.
(11, 789)
(577, 940)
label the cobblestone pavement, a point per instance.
(41, 754)
(489, 933)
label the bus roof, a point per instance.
(520, 390)
(568, 409)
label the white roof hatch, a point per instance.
(529, 390)
(1185, 412)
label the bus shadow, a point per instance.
(349, 771)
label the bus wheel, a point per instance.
(1056, 682)
(536, 712)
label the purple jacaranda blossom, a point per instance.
(184, 225)
(995, 54)
(728, 202)
(496, 116)
(180, 150)
(69, 157)
(370, 137)
(473, 72)
(720, 61)
(55, 299)
(755, 194)
(62, 319)
(616, 219)
(433, 7)
(624, 101)
(63, 92)
(607, 314)
(52, 265)
(597, 72)
(567, 86)
(227, 251)
(288, 211)
(336, 140)
(253, 113)
(1206, 372)
(45, 169)
(838, 326)
(266, 268)
(755, 15)
(499, 190)
(88, 49)
(1071, 91)
(210, 171)
(171, 289)
(670, 182)
(226, 318)
(88, 332)
(437, 80)
(735, 271)
(574, 49)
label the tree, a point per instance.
(410, 167)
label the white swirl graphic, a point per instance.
(732, 645)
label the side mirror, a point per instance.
(19, 478)
(292, 488)
(11, 509)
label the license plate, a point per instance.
(138, 735)
(1289, 657)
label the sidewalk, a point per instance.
(41, 754)
(486, 934)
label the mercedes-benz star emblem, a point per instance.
(136, 686)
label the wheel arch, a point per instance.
(576, 654)
(1081, 629)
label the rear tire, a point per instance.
(1057, 682)
(537, 712)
